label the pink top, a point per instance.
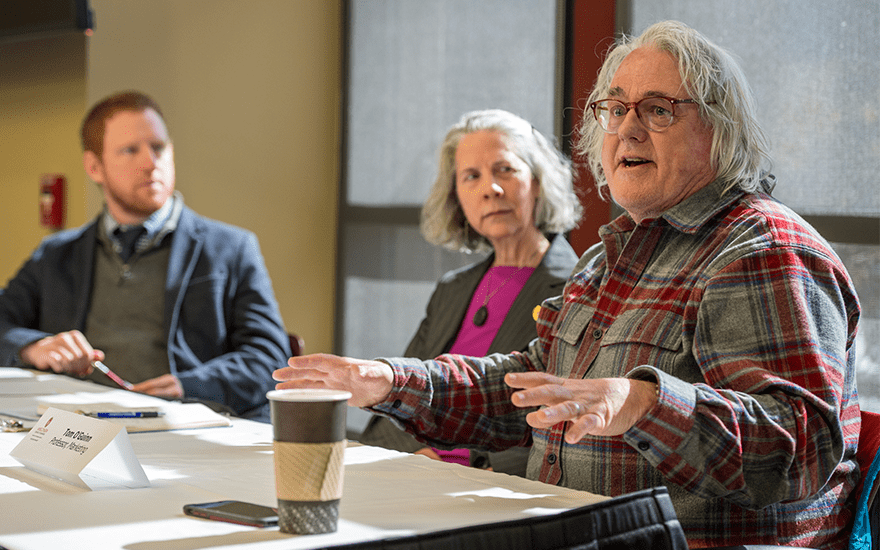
(500, 286)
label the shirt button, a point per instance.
(644, 445)
(551, 459)
(597, 334)
(397, 403)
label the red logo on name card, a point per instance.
(43, 429)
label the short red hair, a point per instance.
(92, 131)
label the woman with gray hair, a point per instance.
(501, 188)
(556, 208)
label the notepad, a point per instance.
(176, 416)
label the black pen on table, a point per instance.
(112, 375)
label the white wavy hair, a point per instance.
(740, 149)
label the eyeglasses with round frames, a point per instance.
(656, 112)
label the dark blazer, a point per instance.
(225, 333)
(451, 298)
(445, 313)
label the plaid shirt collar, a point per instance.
(163, 221)
(689, 215)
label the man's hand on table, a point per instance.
(69, 352)
(66, 352)
(166, 385)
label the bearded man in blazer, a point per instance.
(178, 304)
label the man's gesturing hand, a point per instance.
(369, 382)
(605, 406)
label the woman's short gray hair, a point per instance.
(740, 149)
(557, 209)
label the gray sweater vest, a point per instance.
(126, 318)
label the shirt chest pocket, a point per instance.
(644, 337)
(572, 322)
(568, 338)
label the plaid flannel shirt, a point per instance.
(745, 318)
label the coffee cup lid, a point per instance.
(309, 395)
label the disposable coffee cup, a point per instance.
(309, 441)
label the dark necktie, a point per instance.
(128, 240)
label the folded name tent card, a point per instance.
(83, 451)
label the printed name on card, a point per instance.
(83, 451)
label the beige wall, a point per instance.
(251, 94)
(42, 96)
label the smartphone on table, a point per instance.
(234, 511)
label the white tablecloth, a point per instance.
(385, 493)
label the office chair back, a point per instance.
(866, 527)
(297, 345)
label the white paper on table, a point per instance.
(7, 373)
(174, 416)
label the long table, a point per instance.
(386, 493)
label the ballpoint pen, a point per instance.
(129, 414)
(112, 375)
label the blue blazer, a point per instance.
(224, 331)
